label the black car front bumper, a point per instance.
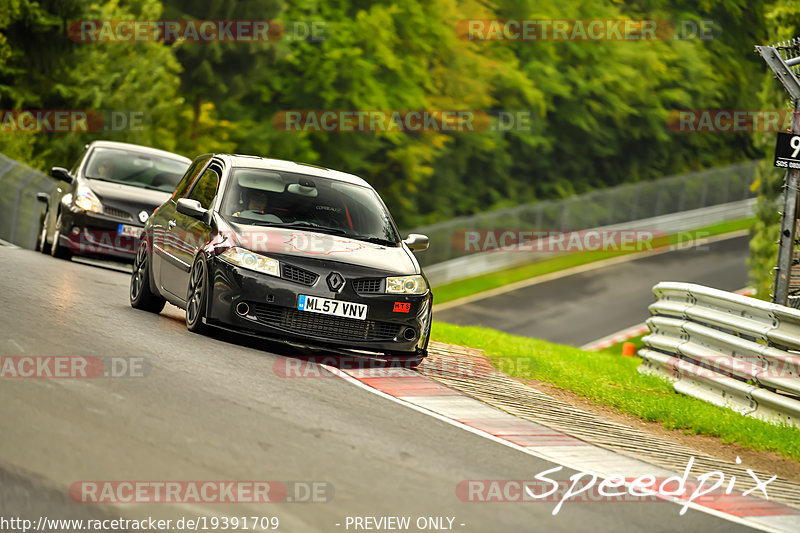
(95, 234)
(260, 303)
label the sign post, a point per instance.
(787, 155)
(781, 59)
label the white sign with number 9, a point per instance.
(795, 143)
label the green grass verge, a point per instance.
(608, 379)
(616, 348)
(470, 286)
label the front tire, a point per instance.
(196, 296)
(56, 250)
(141, 296)
(41, 243)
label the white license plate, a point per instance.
(128, 231)
(332, 307)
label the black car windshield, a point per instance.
(286, 199)
(135, 168)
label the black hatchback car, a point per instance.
(99, 207)
(286, 251)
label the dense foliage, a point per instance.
(599, 108)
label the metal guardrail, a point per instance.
(727, 349)
(480, 263)
(19, 209)
(599, 208)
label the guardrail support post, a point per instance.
(782, 65)
(783, 273)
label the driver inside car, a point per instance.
(105, 169)
(256, 202)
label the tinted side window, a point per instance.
(189, 177)
(206, 188)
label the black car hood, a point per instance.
(127, 194)
(322, 247)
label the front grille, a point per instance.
(324, 326)
(116, 213)
(368, 286)
(298, 275)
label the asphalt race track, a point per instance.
(584, 307)
(214, 408)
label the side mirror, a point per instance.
(61, 174)
(192, 208)
(417, 242)
(43, 197)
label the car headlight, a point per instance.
(87, 200)
(247, 259)
(406, 285)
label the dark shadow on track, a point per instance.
(312, 355)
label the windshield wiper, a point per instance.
(377, 240)
(152, 188)
(336, 231)
(105, 179)
(310, 226)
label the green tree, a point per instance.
(225, 74)
(45, 69)
(598, 109)
(392, 56)
(32, 51)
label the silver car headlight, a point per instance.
(87, 200)
(406, 285)
(252, 261)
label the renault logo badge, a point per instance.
(335, 281)
(143, 216)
